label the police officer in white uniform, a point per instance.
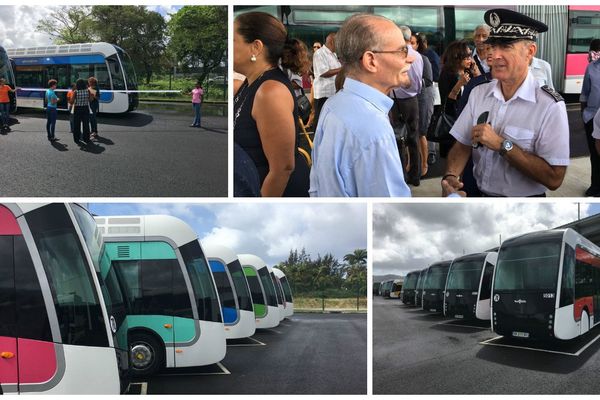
(518, 132)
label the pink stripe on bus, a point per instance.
(8, 366)
(37, 361)
(576, 64)
(8, 222)
(584, 8)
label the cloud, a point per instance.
(412, 236)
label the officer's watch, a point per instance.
(506, 147)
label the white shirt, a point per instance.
(531, 119)
(482, 61)
(542, 72)
(324, 60)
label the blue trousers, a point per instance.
(197, 114)
(4, 113)
(51, 121)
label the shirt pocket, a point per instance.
(522, 137)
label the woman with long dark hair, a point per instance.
(82, 112)
(265, 109)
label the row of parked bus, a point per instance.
(390, 288)
(537, 286)
(86, 303)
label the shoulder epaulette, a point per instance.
(555, 95)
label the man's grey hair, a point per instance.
(485, 27)
(355, 37)
(406, 32)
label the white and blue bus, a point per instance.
(109, 64)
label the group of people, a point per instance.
(510, 138)
(83, 106)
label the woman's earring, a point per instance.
(253, 58)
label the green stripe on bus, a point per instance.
(249, 271)
(260, 310)
(182, 330)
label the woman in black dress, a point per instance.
(265, 109)
(458, 67)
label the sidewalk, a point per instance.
(575, 184)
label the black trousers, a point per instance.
(594, 156)
(82, 116)
(408, 110)
(318, 106)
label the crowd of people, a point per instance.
(510, 135)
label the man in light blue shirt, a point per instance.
(355, 152)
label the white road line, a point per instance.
(258, 343)
(224, 370)
(464, 326)
(144, 389)
(487, 342)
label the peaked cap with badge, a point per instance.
(508, 26)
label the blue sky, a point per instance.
(269, 230)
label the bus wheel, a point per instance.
(585, 322)
(146, 354)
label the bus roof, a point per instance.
(148, 227)
(278, 273)
(252, 261)
(535, 237)
(68, 49)
(217, 251)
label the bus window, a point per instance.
(267, 285)
(80, 71)
(77, 305)
(32, 77)
(567, 288)
(223, 284)
(486, 283)
(8, 317)
(534, 266)
(241, 286)
(102, 75)
(286, 289)
(200, 275)
(129, 70)
(116, 73)
(583, 28)
(466, 20)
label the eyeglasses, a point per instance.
(402, 50)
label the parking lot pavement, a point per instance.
(309, 354)
(415, 352)
(139, 154)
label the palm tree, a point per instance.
(359, 256)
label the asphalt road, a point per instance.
(309, 354)
(149, 153)
(415, 352)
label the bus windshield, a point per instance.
(411, 281)
(130, 76)
(5, 68)
(530, 266)
(286, 289)
(200, 275)
(436, 277)
(241, 287)
(464, 275)
(267, 285)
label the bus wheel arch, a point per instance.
(585, 321)
(146, 352)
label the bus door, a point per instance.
(61, 74)
(484, 301)
(28, 355)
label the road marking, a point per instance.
(224, 371)
(258, 343)
(576, 354)
(143, 387)
(273, 330)
(464, 326)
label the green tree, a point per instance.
(141, 32)
(199, 38)
(68, 24)
(356, 271)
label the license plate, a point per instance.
(458, 316)
(521, 334)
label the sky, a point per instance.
(267, 230)
(18, 23)
(412, 236)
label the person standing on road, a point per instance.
(197, 94)
(517, 132)
(94, 105)
(71, 105)
(5, 91)
(82, 113)
(51, 101)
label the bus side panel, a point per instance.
(289, 311)
(580, 304)
(260, 310)
(564, 326)
(271, 320)
(158, 324)
(37, 361)
(575, 66)
(244, 328)
(89, 370)
(209, 349)
(8, 364)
